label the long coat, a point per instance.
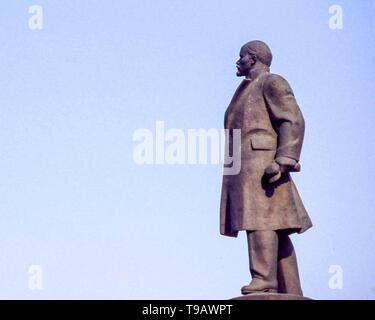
(271, 126)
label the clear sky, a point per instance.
(74, 203)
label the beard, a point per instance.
(239, 72)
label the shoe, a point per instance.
(256, 286)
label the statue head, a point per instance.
(252, 55)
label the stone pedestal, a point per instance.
(270, 296)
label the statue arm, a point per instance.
(288, 122)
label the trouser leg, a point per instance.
(263, 248)
(287, 269)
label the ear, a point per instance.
(253, 59)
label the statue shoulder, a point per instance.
(275, 84)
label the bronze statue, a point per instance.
(262, 199)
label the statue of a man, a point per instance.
(262, 198)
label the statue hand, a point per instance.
(273, 172)
(279, 166)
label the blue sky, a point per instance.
(73, 201)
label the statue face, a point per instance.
(244, 63)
